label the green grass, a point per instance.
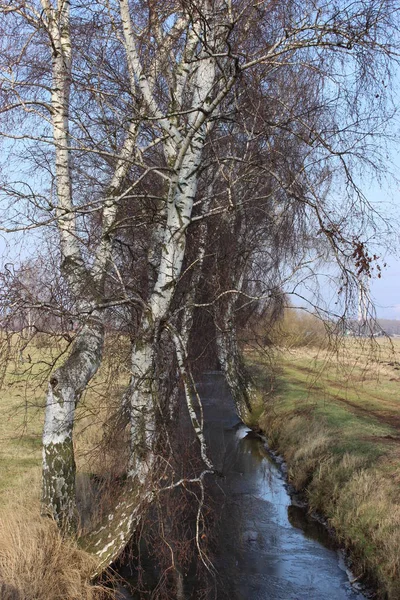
(336, 419)
(21, 424)
(22, 402)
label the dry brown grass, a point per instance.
(305, 443)
(337, 424)
(363, 506)
(360, 499)
(36, 563)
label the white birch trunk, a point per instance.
(183, 153)
(228, 351)
(69, 381)
(143, 404)
(65, 387)
(58, 479)
(108, 541)
(231, 360)
(190, 394)
(181, 194)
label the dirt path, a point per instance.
(389, 414)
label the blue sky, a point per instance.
(385, 292)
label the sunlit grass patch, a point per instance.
(335, 416)
(36, 563)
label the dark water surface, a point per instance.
(266, 548)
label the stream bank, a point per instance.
(343, 462)
(264, 547)
(268, 548)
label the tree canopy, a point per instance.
(181, 162)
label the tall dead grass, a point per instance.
(363, 506)
(360, 499)
(368, 510)
(36, 563)
(303, 441)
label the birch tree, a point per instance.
(119, 105)
(85, 281)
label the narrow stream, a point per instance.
(266, 548)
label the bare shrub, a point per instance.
(43, 341)
(298, 328)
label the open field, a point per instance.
(21, 424)
(335, 416)
(22, 402)
(36, 563)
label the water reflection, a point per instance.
(267, 549)
(264, 547)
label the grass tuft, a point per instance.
(36, 563)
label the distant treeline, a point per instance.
(298, 328)
(390, 326)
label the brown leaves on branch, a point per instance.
(363, 261)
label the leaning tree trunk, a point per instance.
(230, 357)
(143, 394)
(86, 284)
(142, 400)
(68, 381)
(65, 387)
(183, 147)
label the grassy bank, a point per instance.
(36, 563)
(335, 417)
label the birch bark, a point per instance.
(183, 148)
(228, 351)
(87, 285)
(58, 497)
(183, 143)
(183, 152)
(65, 387)
(231, 360)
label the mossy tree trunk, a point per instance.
(65, 387)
